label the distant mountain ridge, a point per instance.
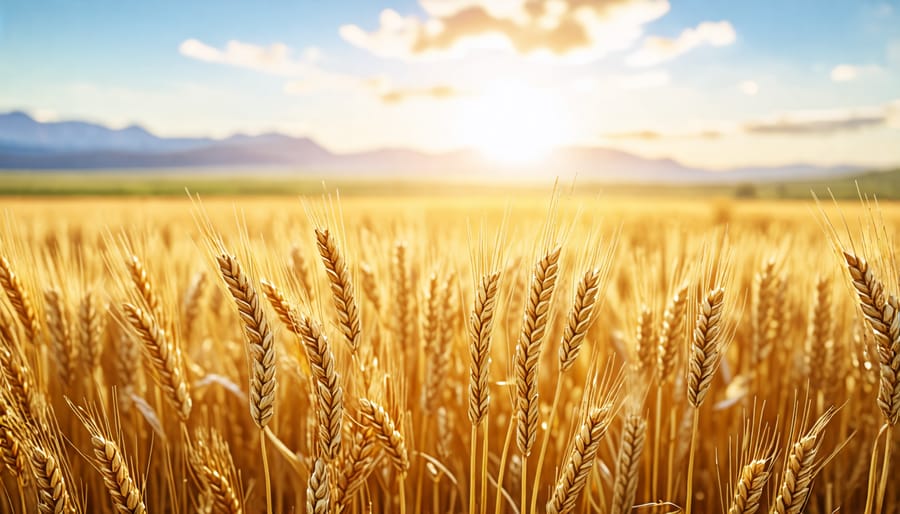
(28, 144)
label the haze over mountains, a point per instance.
(27, 144)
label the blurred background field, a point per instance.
(883, 184)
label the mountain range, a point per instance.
(28, 144)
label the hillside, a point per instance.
(27, 144)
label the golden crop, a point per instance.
(438, 354)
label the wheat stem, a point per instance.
(266, 478)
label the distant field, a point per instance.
(228, 183)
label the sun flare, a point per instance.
(513, 124)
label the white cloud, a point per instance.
(849, 72)
(306, 77)
(749, 87)
(656, 49)
(275, 59)
(844, 73)
(561, 29)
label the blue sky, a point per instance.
(713, 83)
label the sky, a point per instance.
(712, 83)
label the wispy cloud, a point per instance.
(820, 123)
(654, 135)
(656, 49)
(307, 77)
(275, 59)
(397, 95)
(849, 72)
(796, 123)
(577, 29)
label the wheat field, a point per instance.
(542, 353)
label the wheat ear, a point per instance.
(260, 341)
(109, 460)
(329, 393)
(142, 283)
(60, 337)
(481, 323)
(20, 300)
(528, 348)
(165, 359)
(579, 319)
(438, 337)
(819, 332)
(577, 467)
(301, 270)
(191, 304)
(91, 330)
(749, 489)
(628, 463)
(53, 492)
(377, 419)
(670, 332)
(881, 312)
(285, 310)
(356, 465)
(706, 347)
(341, 287)
(318, 490)
(211, 461)
(17, 377)
(645, 346)
(801, 467)
(12, 449)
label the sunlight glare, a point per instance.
(514, 124)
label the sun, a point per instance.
(514, 124)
